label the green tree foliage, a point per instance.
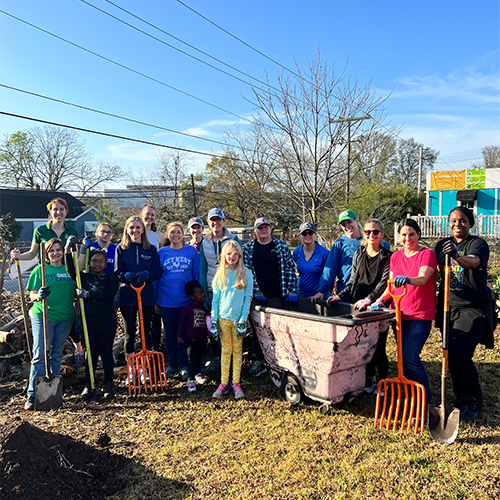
(18, 160)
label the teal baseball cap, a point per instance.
(347, 215)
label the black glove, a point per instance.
(71, 243)
(261, 300)
(449, 248)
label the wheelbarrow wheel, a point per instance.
(292, 390)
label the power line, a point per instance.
(126, 67)
(114, 136)
(266, 84)
(240, 40)
(117, 116)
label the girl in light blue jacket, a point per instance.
(233, 290)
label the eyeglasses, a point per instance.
(376, 232)
(307, 233)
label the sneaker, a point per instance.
(171, 372)
(200, 379)
(220, 390)
(258, 369)
(109, 390)
(78, 359)
(191, 386)
(130, 379)
(375, 392)
(30, 403)
(87, 393)
(238, 393)
(371, 388)
(184, 373)
(142, 378)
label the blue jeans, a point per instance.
(58, 333)
(176, 353)
(415, 333)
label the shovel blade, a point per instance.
(48, 394)
(443, 423)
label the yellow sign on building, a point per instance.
(448, 180)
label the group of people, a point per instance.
(204, 290)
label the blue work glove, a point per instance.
(449, 248)
(292, 297)
(130, 277)
(261, 300)
(142, 276)
(81, 293)
(213, 330)
(241, 330)
(43, 292)
(401, 281)
(85, 245)
(71, 244)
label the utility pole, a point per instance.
(348, 173)
(419, 169)
(194, 198)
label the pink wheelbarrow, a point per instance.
(318, 351)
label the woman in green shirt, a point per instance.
(60, 294)
(56, 227)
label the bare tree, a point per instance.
(491, 157)
(305, 125)
(54, 158)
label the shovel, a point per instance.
(443, 421)
(48, 394)
(84, 323)
(24, 307)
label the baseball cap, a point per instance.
(215, 212)
(260, 221)
(306, 226)
(195, 220)
(347, 215)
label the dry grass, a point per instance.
(185, 446)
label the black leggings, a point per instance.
(129, 314)
(379, 360)
(101, 338)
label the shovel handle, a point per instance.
(84, 321)
(24, 307)
(46, 337)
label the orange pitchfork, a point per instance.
(414, 393)
(144, 366)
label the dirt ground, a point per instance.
(45, 465)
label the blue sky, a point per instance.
(439, 59)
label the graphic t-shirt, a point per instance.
(62, 292)
(178, 266)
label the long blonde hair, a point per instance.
(125, 242)
(220, 275)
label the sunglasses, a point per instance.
(307, 233)
(376, 232)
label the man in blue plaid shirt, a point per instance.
(274, 276)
